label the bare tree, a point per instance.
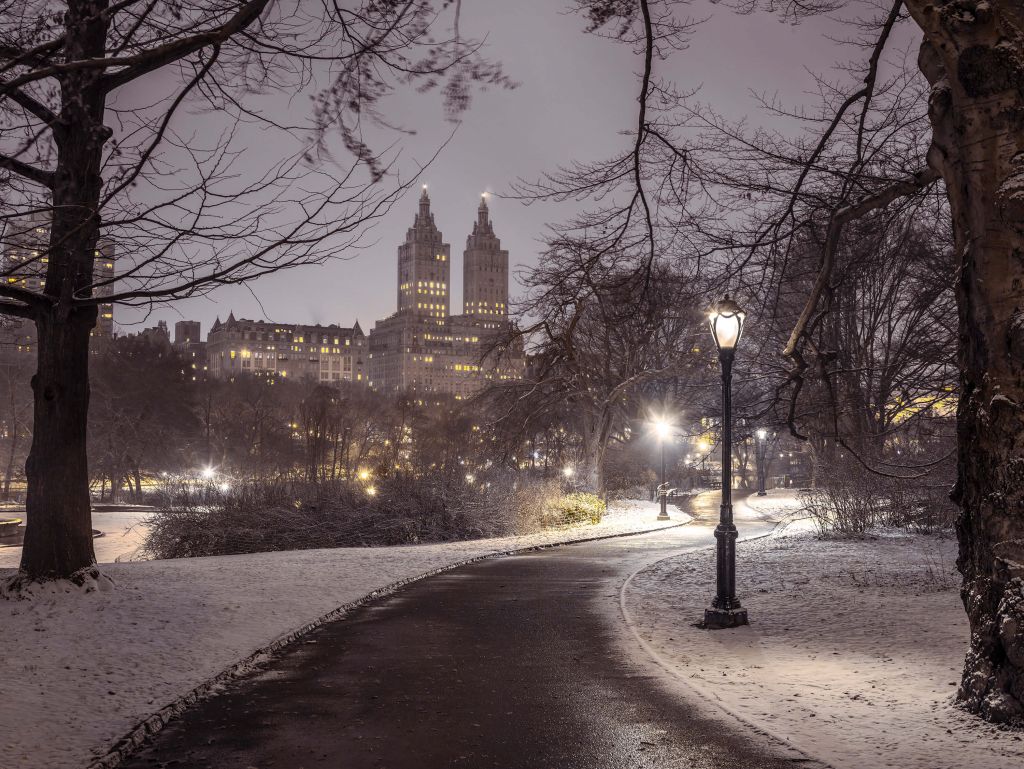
(607, 344)
(80, 151)
(734, 202)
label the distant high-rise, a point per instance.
(485, 271)
(188, 341)
(423, 267)
(25, 248)
(422, 348)
(187, 332)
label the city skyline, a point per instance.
(456, 298)
(570, 84)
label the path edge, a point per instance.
(151, 725)
(703, 697)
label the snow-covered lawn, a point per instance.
(852, 656)
(78, 671)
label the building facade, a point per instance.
(423, 347)
(188, 341)
(326, 354)
(24, 263)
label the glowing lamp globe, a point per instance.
(726, 321)
(662, 429)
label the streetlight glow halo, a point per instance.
(662, 428)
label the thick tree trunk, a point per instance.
(974, 57)
(58, 535)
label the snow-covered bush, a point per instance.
(259, 517)
(576, 508)
(850, 499)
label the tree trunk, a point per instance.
(58, 532)
(973, 55)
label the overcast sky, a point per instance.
(576, 94)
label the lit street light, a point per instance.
(726, 320)
(662, 429)
(761, 447)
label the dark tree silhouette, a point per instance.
(96, 140)
(728, 201)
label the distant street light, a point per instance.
(568, 472)
(762, 454)
(726, 321)
(662, 429)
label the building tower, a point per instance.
(187, 332)
(423, 268)
(485, 271)
(25, 256)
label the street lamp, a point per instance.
(662, 429)
(762, 454)
(726, 321)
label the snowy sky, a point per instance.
(576, 94)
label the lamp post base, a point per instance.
(720, 619)
(663, 501)
(762, 493)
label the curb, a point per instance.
(778, 741)
(152, 724)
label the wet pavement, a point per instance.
(514, 662)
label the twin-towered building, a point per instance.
(421, 348)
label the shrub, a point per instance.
(851, 500)
(260, 517)
(576, 508)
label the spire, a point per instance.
(231, 317)
(482, 224)
(424, 204)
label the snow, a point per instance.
(123, 534)
(80, 669)
(853, 654)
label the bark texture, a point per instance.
(973, 55)
(58, 534)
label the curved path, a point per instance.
(519, 662)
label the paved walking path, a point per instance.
(516, 662)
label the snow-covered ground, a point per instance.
(79, 670)
(124, 531)
(852, 656)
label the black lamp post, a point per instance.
(726, 320)
(762, 455)
(663, 430)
